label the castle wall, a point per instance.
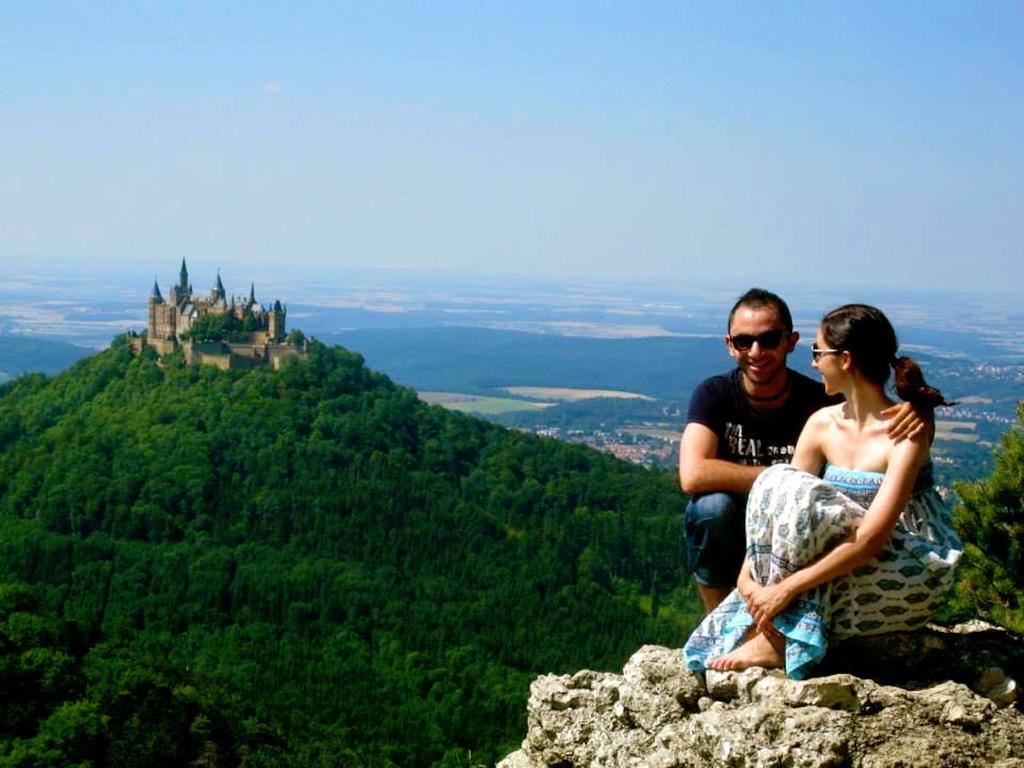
(162, 346)
(183, 319)
(254, 351)
(217, 360)
(278, 353)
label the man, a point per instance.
(738, 424)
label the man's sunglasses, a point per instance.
(767, 340)
(817, 352)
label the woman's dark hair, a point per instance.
(868, 336)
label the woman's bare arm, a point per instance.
(809, 454)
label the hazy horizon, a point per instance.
(92, 306)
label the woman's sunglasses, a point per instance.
(817, 352)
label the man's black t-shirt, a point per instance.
(749, 436)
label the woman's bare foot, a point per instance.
(756, 651)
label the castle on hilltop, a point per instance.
(211, 329)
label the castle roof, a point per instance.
(218, 292)
(155, 293)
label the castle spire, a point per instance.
(252, 293)
(183, 278)
(155, 293)
(218, 288)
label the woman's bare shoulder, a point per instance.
(913, 452)
(826, 416)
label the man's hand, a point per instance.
(908, 422)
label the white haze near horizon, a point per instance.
(90, 308)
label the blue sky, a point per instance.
(772, 143)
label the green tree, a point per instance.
(212, 327)
(990, 519)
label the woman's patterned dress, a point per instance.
(793, 518)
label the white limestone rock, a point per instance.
(658, 715)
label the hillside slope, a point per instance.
(21, 354)
(479, 360)
(303, 567)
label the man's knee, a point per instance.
(715, 537)
(713, 509)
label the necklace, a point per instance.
(765, 398)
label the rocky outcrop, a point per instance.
(919, 710)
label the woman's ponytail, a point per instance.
(911, 386)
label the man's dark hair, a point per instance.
(759, 298)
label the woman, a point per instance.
(867, 549)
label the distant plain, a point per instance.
(538, 355)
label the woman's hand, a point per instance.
(765, 603)
(745, 583)
(758, 598)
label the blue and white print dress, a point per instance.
(792, 519)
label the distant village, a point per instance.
(235, 333)
(640, 448)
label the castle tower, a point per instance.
(162, 320)
(184, 289)
(275, 322)
(155, 300)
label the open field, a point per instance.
(488, 406)
(594, 330)
(569, 393)
(964, 431)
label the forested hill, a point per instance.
(20, 354)
(303, 567)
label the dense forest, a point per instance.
(303, 567)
